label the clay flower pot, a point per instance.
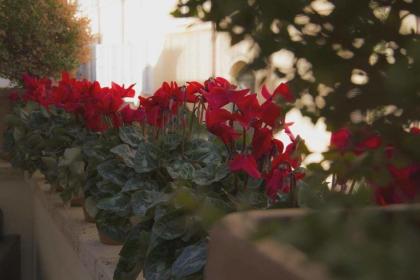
(76, 201)
(105, 239)
(88, 218)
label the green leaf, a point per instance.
(170, 226)
(171, 141)
(252, 199)
(114, 226)
(18, 134)
(131, 135)
(78, 168)
(105, 188)
(126, 153)
(311, 196)
(70, 155)
(212, 209)
(90, 206)
(157, 270)
(146, 158)
(139, 183)
(133, 254)
(200, 150)
(112, 171)
(117, 203)
(158, 261)
(191, 260)
(66, 194)
(210, 174)
(49, 162)
(181, 170)
(33, 139)
(143, 200)
(12, 120)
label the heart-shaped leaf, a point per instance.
(125, 152)
(210, 174)
(112, 171)
(117, 203)
(170, 226)
(131, 135)
(139, 183)
(191, 260)
(146, 158)
(143, 200)
(70, 155)
(171, 141)
(181, 170)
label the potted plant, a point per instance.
(193, 167)
(51, 124)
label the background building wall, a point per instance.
(140, 42)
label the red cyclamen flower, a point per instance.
(245, 163)
(340, 139)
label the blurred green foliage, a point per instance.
(368, 244)
(41, 38)
(354, 61)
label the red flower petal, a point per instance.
(277, 182)
(340, 139)
(14, 96)
(217, 116)
(226, 133)
(262, 142)
(270, 113)
(245, 163)
(415, 130)
(284, 91)
(266, 93)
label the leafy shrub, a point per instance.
(41, 38)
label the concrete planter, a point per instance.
(233, 256)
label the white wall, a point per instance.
(142, 43)
(132, 36)
(4, 83)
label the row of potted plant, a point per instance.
(154, 173)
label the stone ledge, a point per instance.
(99, 260)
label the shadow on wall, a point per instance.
(166, 67)
(147, 79)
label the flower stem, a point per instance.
(243, 140)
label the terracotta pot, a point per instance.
(76, 201)
(88, 218)
(105, 239)
(56, 188)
